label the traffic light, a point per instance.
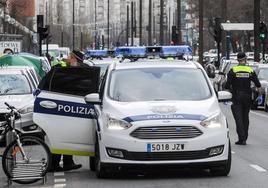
(263, 31)
(217, 30)
(43, 32)
(174, 36)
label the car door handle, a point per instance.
(48, 104)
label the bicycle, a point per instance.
(26, 159)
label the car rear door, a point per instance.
(60, 110)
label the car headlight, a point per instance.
(212, 122)
(26, 110)
(116, 124)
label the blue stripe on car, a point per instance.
(65, 108)
(164, 117)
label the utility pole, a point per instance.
(256, 30)
(132, 23)
(96, 47)
(4, 4)
(73, 25)
(81, 41)
(161, 22)
(224, 19)
(140, 22)
(150, 24)
(179, 20)
(200, 47)
(127, 33)
(169, 25)
(108, 24)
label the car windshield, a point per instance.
(14, 84)
(263, 74)
(103, 67)
(158, 84)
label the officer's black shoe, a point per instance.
(71, 167)
(55, 169)
(241, 142)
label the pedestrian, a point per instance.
(238, 82)
(68, 163)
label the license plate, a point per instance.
(164, 147)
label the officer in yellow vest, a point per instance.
(239, 82)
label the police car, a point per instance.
(145, 114)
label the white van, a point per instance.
(54, 48)
(64, 52)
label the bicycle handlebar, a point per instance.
(9, 106)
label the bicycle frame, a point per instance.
(9, 127)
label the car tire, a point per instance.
(225, 169)
(99, 168)
(92, 164)
(266, 108)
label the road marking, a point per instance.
(60, 180)
(60, 185)
(258, 168)
(259, 114)
(58, 173)
(233, 152)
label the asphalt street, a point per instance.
(249, 167)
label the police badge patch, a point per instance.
(242, 75)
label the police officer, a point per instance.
(68, 162)
(239, 81)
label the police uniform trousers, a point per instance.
(240, 109)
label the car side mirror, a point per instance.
(224, 96)
(93, 98)
(36, 92)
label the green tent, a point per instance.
(36, 61)
(18, 60)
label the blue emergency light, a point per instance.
(131, 52)
(175, 51)
(97, 53)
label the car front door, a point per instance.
(60, 110)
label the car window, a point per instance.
(73, 80)
(157, 84)
(263, 74)
(14, 84)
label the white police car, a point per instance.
(151, 113)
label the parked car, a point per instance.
(16, 88)
(262, 73)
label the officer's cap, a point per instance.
(241, 56)
(78, 55)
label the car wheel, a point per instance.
(92, 163)
(99, 168)
(225, 169)
(266, 108)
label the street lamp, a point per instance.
(73, 25)
(228, 42)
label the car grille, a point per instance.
(171, 132)
(158, 156)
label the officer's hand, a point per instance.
(259, 99)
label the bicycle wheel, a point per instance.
(22, 171)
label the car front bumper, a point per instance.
(197, 150)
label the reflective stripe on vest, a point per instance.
(63, 64)
(242, 69)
